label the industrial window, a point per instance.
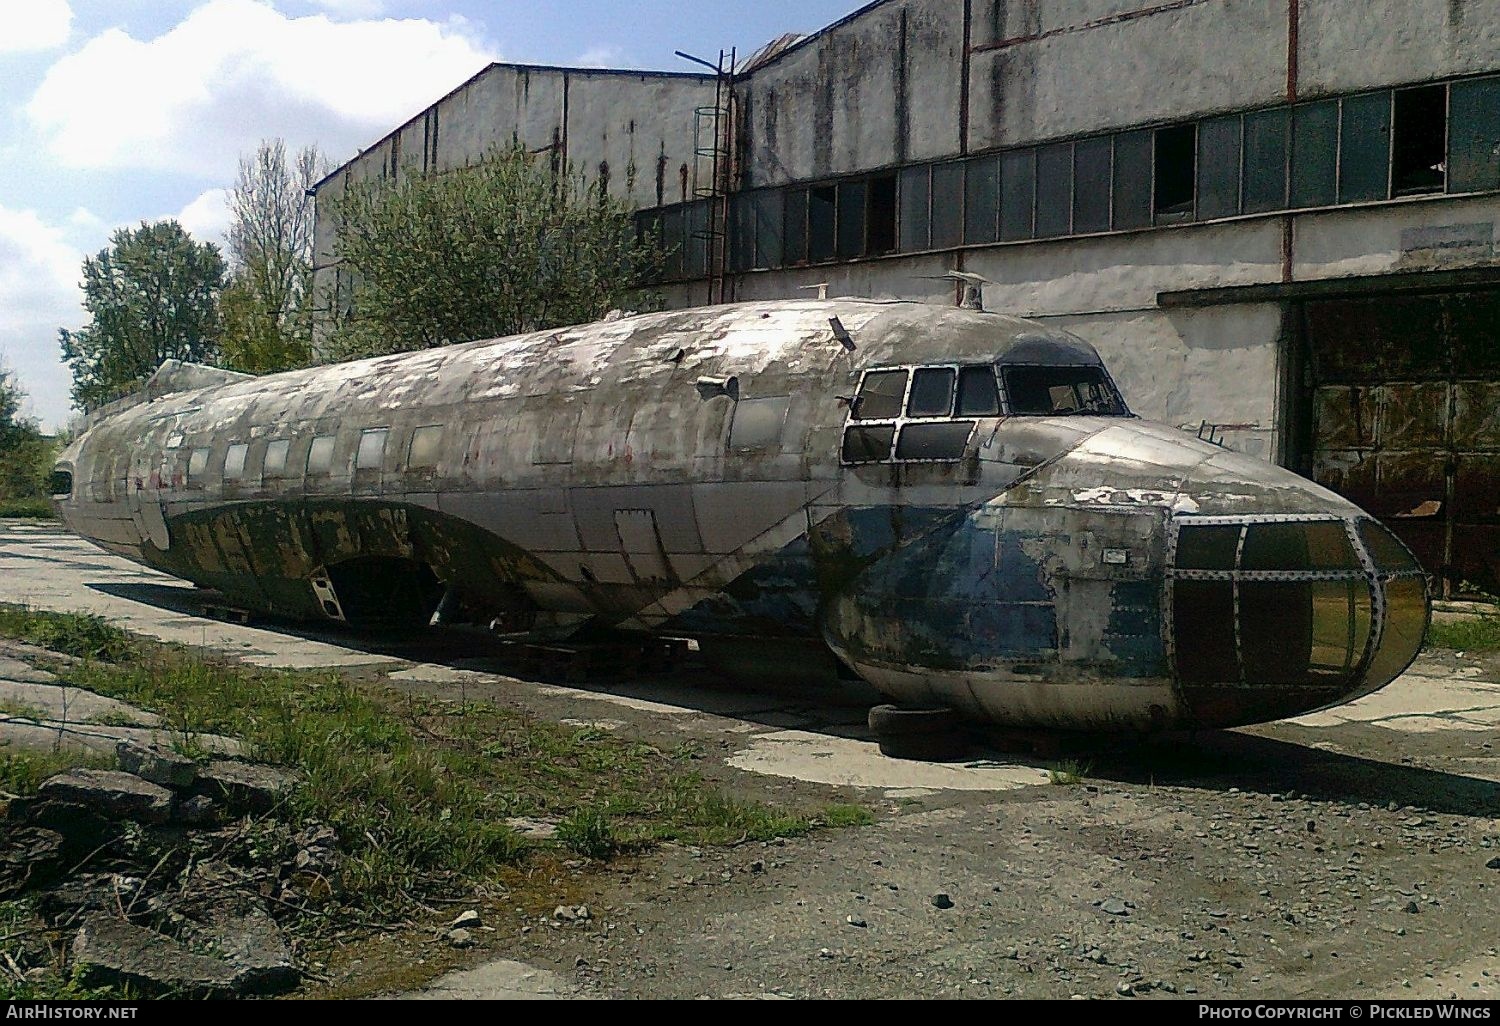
(880, 395)
(1219, 168)
(1132, 186)
(758, 423)
(767, 205)
(982, 201)
(1092, 170)
(880, 216)
(1315, 147)
(320, 455)
(852, 197)
(742, 232)
(1365, 148)
(426, 446)
(1420, 141)
(931, 393)
(696, 242)
(198, 468)
(671, 243)
(1474, 136)
(274, 464)
(371, 453)
(978, 394)
(947, 205)
(1265, 160)
(1054, 190)
(795, 221)
(1017, 195)
(234, 461)
(1176, 149)
(916, 201)
(822, 208)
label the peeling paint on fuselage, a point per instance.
(596, 475)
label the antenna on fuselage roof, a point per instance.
(973, 287)
(822, 288)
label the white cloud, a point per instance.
(600, 57)
(39, 274)
(236, 71)
(35, 25)
(352, 8)
(207, 218)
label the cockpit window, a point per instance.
(931, 393)
(881, 395)
(978, 395)
(1061, 391)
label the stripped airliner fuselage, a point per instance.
(956, 504)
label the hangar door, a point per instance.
(1406, 423)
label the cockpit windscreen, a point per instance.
(1053, 391)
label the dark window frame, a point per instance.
(899, 423)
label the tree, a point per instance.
(152, 295)
(497, 248)
(266, 305)
(25, 455)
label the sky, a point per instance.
(114, 112)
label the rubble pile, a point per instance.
(168, 875)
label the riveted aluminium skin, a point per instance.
(681, 473)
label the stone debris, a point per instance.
(460, 939)
(111, 793)
(246, 787)
(467, 920)
(156, 764)
(28, 856)
(112, 951)
(941, 900)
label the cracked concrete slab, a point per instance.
(821, 759)
(503, 980)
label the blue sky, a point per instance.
(118, 111)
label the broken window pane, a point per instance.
(1420, 141)
(868, 444)
(940, 441)
(320, 455)
(1315, 145)
(1474, 143)
(1365, 148)
(234, 461)
(978, 394)
(1176, 152)
(931, 393)
(880, 216)
(947, 205)
(426, 444)
(982, 201)
(1207, 546)
(275, 461)
(1132, 187)
(1054, 190)
(1219, 168)
(1092, 165)
(916, 194)
(371, 452)
(881, 395)
(795, 227)
(822, 207)
(1017, 195)
(1265, 160)
(851, 234)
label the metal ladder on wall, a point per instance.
(712, 171)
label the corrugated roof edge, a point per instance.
(561, 69)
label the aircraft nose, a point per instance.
(1275, 615)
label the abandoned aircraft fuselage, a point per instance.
(957, 504)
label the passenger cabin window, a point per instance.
(922, 414)
(371, 454)
(758, 422)
(234, 462)
(426, 443)
(320, 455)
(1050, 391)
(198, 468)
(275, 462)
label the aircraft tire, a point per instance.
(927, 735)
